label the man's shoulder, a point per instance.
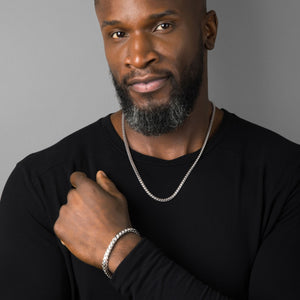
(68, 150)
(258, 144)
(256, 136)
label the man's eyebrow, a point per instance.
(110, 23)
(153, 16)
(163, 14)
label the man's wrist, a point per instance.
(122, 249)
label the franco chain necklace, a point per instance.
(187, 173)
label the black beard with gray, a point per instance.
(157, 120)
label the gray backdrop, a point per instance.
(54, 78)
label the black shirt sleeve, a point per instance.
(31, 263)
(276, 269)
(148, 274)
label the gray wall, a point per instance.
(54, 78)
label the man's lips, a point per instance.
(147, 84)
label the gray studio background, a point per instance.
(54, 78)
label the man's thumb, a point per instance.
(106, 183)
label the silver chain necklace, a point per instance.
(186, 175)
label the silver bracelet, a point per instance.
(110, 248)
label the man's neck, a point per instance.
(186, 139)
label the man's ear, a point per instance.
(210, 30)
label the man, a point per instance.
(210, 202)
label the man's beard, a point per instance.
(157, 120)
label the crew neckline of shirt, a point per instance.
(137, 156)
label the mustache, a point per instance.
(138, 73)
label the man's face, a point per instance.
(155, 53)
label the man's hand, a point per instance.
(94, 214)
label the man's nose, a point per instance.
(141, 52)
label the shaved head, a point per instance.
(202, 2)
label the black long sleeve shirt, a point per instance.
(233, 231)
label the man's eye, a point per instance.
(163, 26)
(118, 35)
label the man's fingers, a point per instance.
(103, 180)
(107, 184)
(77, 178)
(83, 184)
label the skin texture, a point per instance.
(138, 45)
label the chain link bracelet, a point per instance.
(110, 248)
